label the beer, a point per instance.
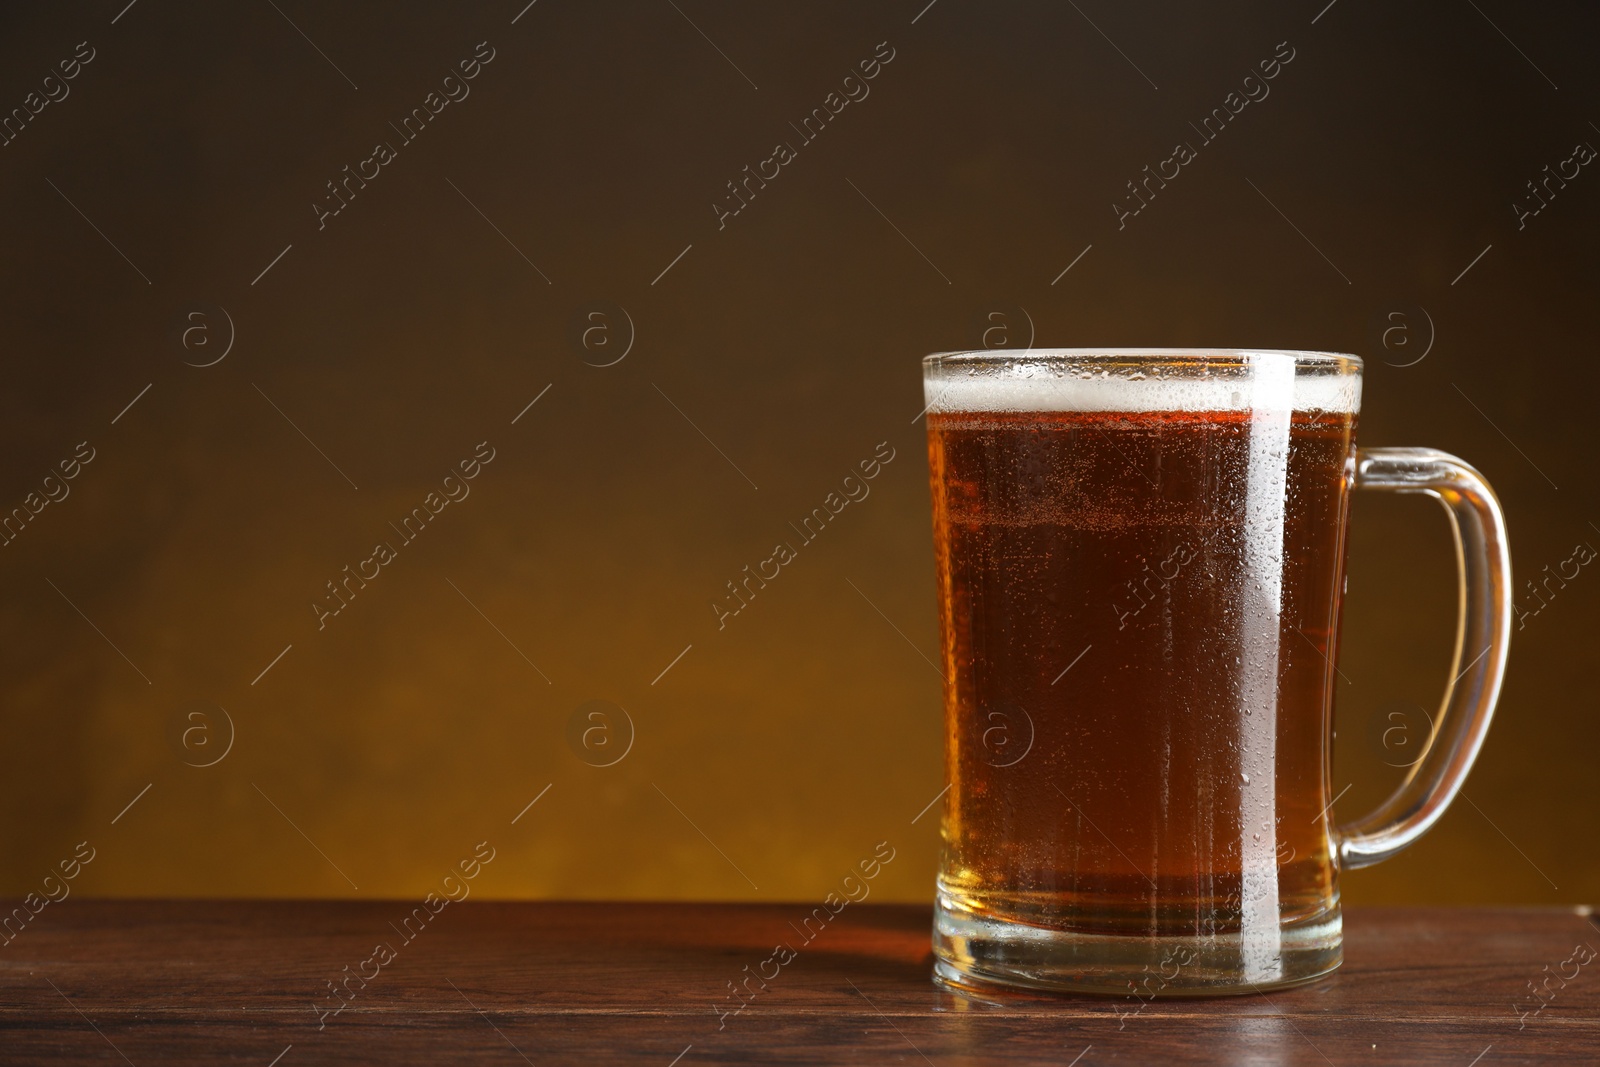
(1139, 608)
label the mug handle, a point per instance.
(1483, 636)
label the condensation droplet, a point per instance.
(1246, 777)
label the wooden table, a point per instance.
(208, 982)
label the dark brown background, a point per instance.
(409, 330)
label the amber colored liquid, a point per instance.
(1184, 571)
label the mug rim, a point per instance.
(1301, 357)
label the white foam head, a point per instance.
(1138, 379)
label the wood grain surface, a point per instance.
(246, 982)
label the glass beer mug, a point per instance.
(1140, 562)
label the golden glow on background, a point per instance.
(768, 362)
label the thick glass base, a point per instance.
(980, 954)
